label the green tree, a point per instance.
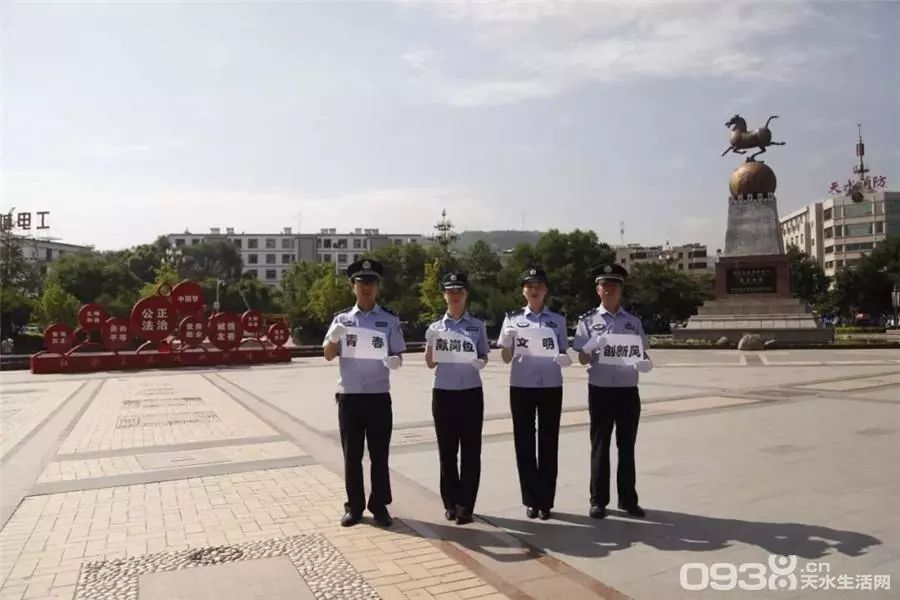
(165, 273)
(660, 295)
(19, 286)
(144, 260)
(866, 287)
(329, 293)
(433, 305)
(296, 285)
(216, 259)
(96, 277)
(808, 279)
(58, 306)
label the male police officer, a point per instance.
(363, 396)
(613, 398)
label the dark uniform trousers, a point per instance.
(365, 418)
(458, 416)
(537, 464)
(609, 407)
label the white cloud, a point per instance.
(540, 49)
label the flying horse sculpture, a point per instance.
(741, 139)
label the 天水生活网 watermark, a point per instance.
(781, 573)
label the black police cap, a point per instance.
(365, 269)
(455, 280)
(613, 272)
(534, 274)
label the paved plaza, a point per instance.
(226, 483)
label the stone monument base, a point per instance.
(753, 297)
(788, 321)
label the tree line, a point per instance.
(311, 292)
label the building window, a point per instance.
(318, 242)
(49, 254)
(195, 241)
(251, 272)
(355, 257)
(286, 259)
(253, 243)
(179, 241)
(681, 267)
(270, 243)
(829, 264)
(357, 244)
(342, 258)
(326, 258)
(879, 227)
(857, 229)
(829, 249)
(237, 242)
(287, 243)
(326, 243)
(252, 259)
(828, 233)
(398, 242)
(826, 214)
(341, 243)
(270, 259)
(271, 274)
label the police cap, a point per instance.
(365, 269)
(455, 280)
(611, 272)
(534, 274)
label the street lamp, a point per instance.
(219, 284)
(895, 302)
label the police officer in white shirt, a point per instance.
(363, 396)
(613, 399)
(535, 390)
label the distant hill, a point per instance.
(499, 240)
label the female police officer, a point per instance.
(457, 398)
(364, 399)
(535, 390)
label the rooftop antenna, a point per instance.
(622, 233)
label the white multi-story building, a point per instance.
(44, 251)
(692, 258)
(268, 255)
(838, 231)
(802, 229)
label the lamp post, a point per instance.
(219, 284)
(895, 302)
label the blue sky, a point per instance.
(128, 120)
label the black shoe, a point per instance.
(597, 512)
(383, 517)
(531, 512)
(463, 516)
(350, 519)
(633, 510)
(544, 514)
(450, 514)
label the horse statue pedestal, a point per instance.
(753, 278)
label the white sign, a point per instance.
(452, 347)
(535, 341)
(620, 349)
(364, 343)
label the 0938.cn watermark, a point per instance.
(780, 574)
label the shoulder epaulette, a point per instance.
(343, 310)
(388, 311)
(588, 313)
(513, 313)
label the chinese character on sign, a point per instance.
(230, 336)
(455, 346)
(230, 325)
(146, 325)
(521, 342)
(146, 314)
(634, 351)
(880, 181)
(468, 347)
(440, 344)
(162, 313)
(6, 222)
(351, 340)
(609, 351)
(882, 582)
(834, 188)
(377, 342)
(23, 220)
(548, 344)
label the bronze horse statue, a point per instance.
(741, 139)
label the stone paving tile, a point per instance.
(72, 470)
(24, 406)
(49, 538)
(140, 412)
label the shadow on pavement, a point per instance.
(579, 535)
